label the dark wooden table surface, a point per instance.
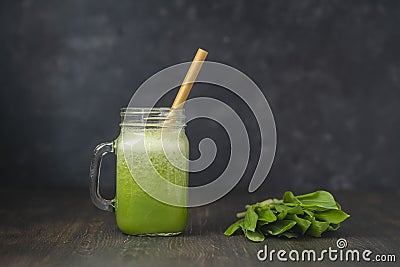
(55, 227)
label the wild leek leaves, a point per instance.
(310, 214)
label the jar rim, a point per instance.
(152, 117)
(140, 110)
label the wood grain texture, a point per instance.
(54, 227)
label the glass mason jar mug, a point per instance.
(152, 145)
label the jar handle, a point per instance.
(97, 199)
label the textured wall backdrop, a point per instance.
(330, 70)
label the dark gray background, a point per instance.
(330, 70)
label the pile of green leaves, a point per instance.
(293, 216)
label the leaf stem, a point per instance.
(241, 214)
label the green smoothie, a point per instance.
(137, 212)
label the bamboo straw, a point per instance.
(190, 77)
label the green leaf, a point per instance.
(256, 236)
(280, 207)
(282, 215)
(321, 199)
(265, 214)
(309, 213)
(317, 228)
(315, 208)
(332, 216)
(289, 234)
(302, 225)
(295, 210)
(261, 223)
(333, 227)
(234, 227)
(288, 197)
(279, 227)
(250, 219)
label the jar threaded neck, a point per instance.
(156, 117)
